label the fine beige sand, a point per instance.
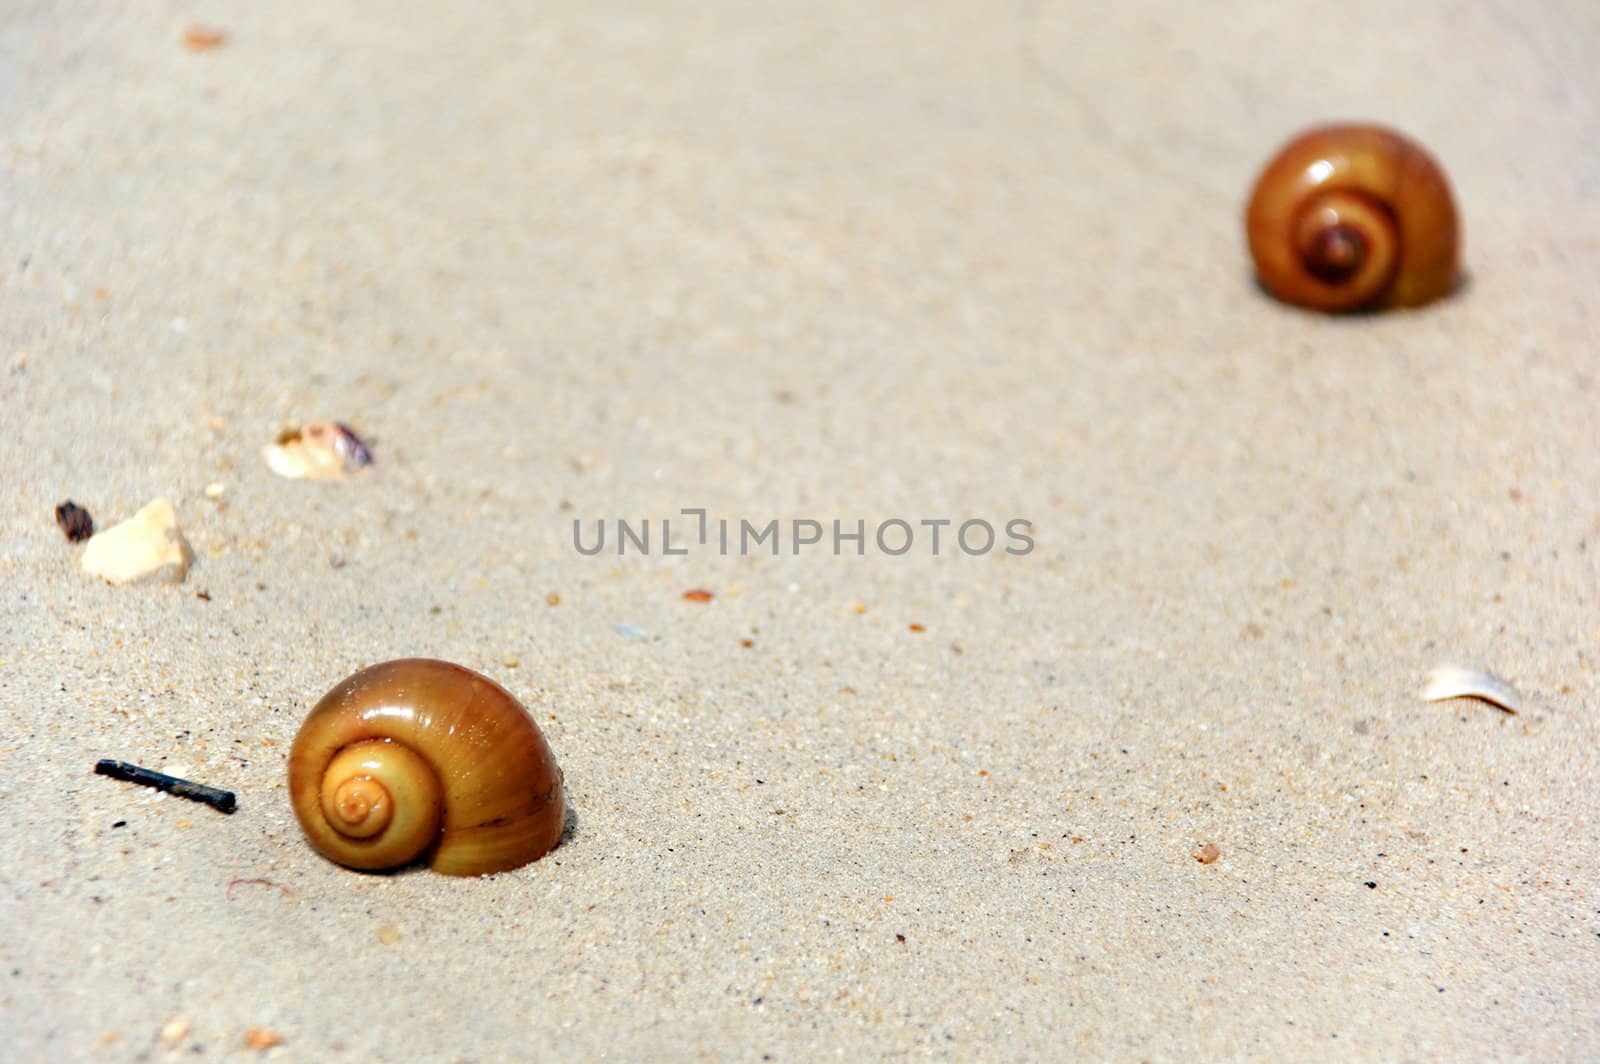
(836, 261)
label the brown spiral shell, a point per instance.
(418, 759)
(1354, 217)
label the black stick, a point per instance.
(218, 799)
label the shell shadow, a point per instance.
(1462, 284)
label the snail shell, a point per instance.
(418, 758)
(1354, 217)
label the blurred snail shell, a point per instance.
(418, 759)
(1354, 217)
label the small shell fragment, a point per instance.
(76, 523)
(174, 1030)
(203, 38)
(322, 450)
(147, 546)
(261, 1038)
(1453, 681)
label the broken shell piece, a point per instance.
(323, 450)
(174, 1030)
(147, 546)
(1452, 681)
(261, 1039)
(203, 38)
(75, 521)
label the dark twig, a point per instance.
(218, 799)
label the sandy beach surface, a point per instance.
(836, 261)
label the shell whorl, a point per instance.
(1354, 217)
(418, 758)
(381, 804)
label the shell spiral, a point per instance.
(418, 759)
(1354, 217)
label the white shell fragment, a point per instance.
(1452, 681)
(149, 546)
(322, 450)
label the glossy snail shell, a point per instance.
(420, 759)
(1354, 217)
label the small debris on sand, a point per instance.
(147, 546)
(1208, 853)
(698, 594)
(75, 521)
(632, 631)
(174, 1030)
(261, 1038)
(388, 934)
(1452, 681)
(203, 38)
(238, 882)
(322, 450)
